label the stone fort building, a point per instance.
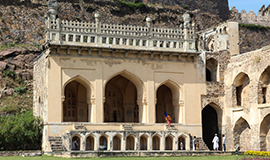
(110, 85)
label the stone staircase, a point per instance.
(202, 145)
(126, 127)
(56, 143)
(172, 128)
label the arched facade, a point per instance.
(169, 142)
(182, 143)
(103, 141)
(242, 134)
(90, 143)
(76, 142)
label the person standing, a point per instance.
(169, 119)
(215, 142)
(194, 143)
(224, 142)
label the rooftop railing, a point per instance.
(120, 36)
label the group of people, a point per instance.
(215, 141)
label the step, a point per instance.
(202, 145)
(56, 143)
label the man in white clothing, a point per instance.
(215, 142)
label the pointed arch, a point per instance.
(90, 142)
(182, 142)
(156, 142)
(240, 90)
(117, 142)
(130, 142)
(211, 70)
(174, 87)
(211, 123)
(265, 134)
(84, 82)
(133, 78)
(103, 141)
(144, 142)
(169, 139)
(242, 134)
(76, 141)
(264, 87)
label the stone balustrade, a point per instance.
(115, 36)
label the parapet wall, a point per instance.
(263, 17)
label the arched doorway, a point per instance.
(164, 104)
(209, 125)
(143, 142)
(242, 134)
(169, 143)
(75, 107)
(156, 143)
(121, 101)
(181, 143)
(263, 87)
(76, 143)
(116, 142)
(130, 143)
(103, 141)
(90, 143)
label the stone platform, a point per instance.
(79, 154)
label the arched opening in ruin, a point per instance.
(117, 142)
(242, 134)
(263, 87)
(241, 89)
(164, 104)
(156, 142)
(182, 143)
(265, 134)
(121, 101)
(75, 107)
(103, 142)
(211, 70)
(143, 142)
(90, 143)
(224, 30)
(211, 123)
(76, 143)
(130, 142)
(169, 143)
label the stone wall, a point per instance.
(263, 17)
(242, 124)
(20, 153)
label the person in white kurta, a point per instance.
(215, 142)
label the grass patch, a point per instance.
(131, 158)
(26, 46)
(132, 5)
(253, 26)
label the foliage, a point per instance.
(9, 73)
(132, 5)
(253, 26)
(20, 90)
(185, 6)
(6, 46)
(20, 132)
(257, 153)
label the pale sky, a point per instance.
(247, 5)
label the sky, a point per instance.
(247, 5)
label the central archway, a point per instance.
(121, 101)
(209, 125)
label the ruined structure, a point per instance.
(107, 86)
(263, 17)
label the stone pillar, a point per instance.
(91, 104)
(233, 38)
(97, 18)
(142, 110)
(83, 143)
(178, 111)
(187, 21)
(149, 25)
(162, 142)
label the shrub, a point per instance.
(20, 90)
(20, 132)
(9, 73)
(253, 26)
(132, 5)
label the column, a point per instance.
(142, 110)
(178, 111)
